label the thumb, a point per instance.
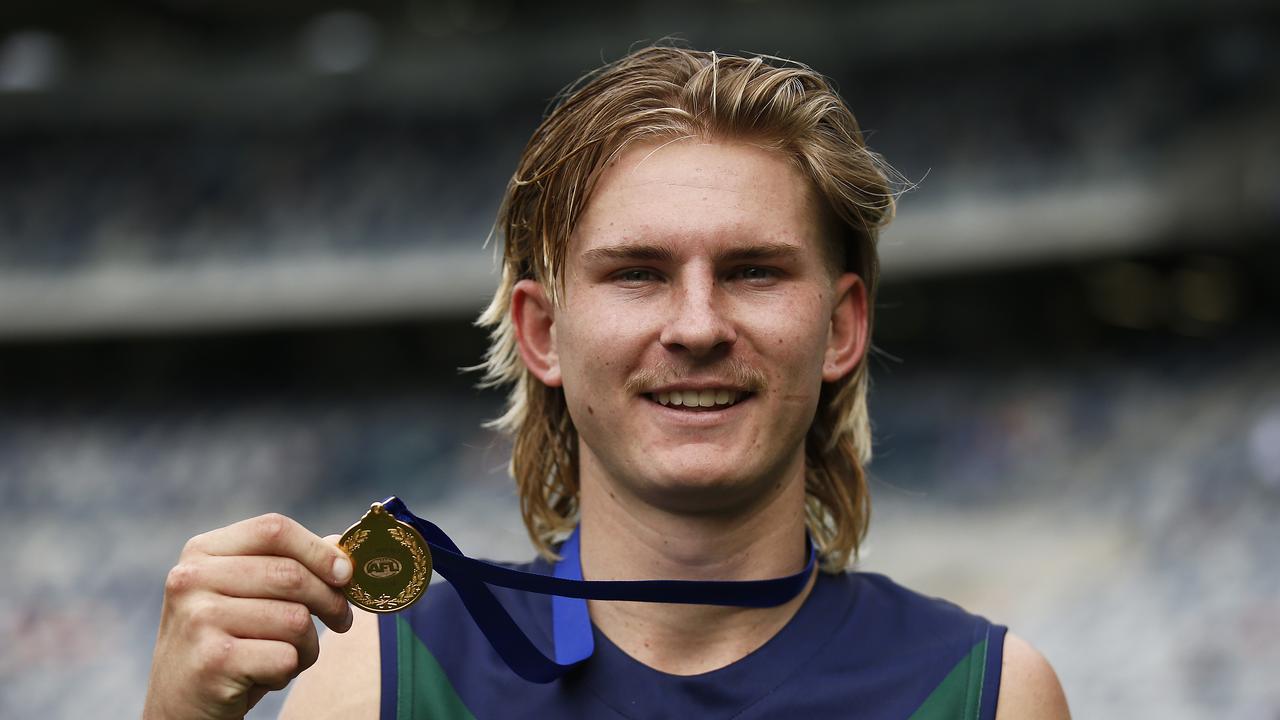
(333, 540)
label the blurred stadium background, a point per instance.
(242, 244)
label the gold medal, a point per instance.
(391, 563)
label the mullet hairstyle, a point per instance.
(664, 93)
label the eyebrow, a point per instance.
(665, 253)
(762, 251)
(629, 252)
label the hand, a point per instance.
(236, 621)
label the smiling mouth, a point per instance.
(698, 399)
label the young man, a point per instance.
(684, 317)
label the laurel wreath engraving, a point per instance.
(357, 539)
(421, 573)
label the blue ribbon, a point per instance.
(570, 621)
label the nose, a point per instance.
(698, 323)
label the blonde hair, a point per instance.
(661, 93)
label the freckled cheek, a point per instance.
(595, 350)
(796, 351)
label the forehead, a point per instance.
(694, 194)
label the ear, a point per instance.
(847, 340)
(534, 318)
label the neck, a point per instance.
(624, 538)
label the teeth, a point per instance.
(697, 398)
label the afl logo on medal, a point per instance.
(382, 567)
(391, 560)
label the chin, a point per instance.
(702, 490)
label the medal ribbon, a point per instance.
(571, 623)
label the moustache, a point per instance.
(734, 373)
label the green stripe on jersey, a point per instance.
(959, 695)
(422, 688)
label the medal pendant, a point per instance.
(391, 563)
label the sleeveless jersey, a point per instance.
(861, 646)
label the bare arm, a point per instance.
(1028, 686)
(345, 682)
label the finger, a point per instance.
(271, 620)
(275, 534)
(274, 578)
(256, 693)
(269, 663)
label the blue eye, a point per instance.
(755, 272)
(636, 275)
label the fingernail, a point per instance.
(341, 569)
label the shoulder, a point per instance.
(345, 681)
(1028, 687)
(906, 608)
